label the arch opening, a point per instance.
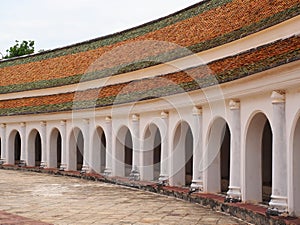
(218, 157)
(14, 148)
(124, 152)
(258, 160)
(225, 160)
(151, 153)
(76, 150)
(98, 161)
(17, 148)
(34, 156)
(182, 163)
(55, 149)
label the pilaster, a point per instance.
(43, 142)
(23, 144)
(164, 174)
(278, 203)
(135, 173)
(63, 165)
(3, 143)
(109, 158)
(197, 182)
(86, 149)
(234, 192)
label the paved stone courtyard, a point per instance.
(52, 199)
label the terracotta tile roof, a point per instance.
(220, 71)
(197, 28)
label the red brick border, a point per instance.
(9, 218)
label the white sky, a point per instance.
(57, 23)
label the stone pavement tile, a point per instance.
(65, 200)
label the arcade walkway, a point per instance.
(64, 200)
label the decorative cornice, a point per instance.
(278, 96)
(63, 123)
(234, 104)
(2, 125)
(43, 123)
(22, 124)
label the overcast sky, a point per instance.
(57, 23)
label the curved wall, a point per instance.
(197, 77)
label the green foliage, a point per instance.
(25, 48)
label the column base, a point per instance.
(163, 179)
(196, 186)
(234, 194)
(2, 161)
(22, 163)
(43, 165)
(107, 172)
(63, 167)
(278, 205)
(134, 175)
(85, 169)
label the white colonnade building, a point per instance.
(210, 106)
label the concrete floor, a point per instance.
(65, 200)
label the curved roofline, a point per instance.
(108, 35)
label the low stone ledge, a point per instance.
(245, 211)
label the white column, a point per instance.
(3, 143)
(197, 182)
(234, 192)
(109, 157)
(164, 173)
(86, 149)
(135, 174)
(23, 144)
(63, 165)
(279, 162)
(43, 143)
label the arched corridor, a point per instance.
(55, 149)
(182, 155)
(213, 107)
(217, 157)
(151, 160)
(76, 150)
(258, 160)
(34, 155)
(98, 160)
(124, 152)
(225, 160)
(14, 143)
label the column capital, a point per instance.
(197, 110)
(43, 123)
(234, 104)
(23, 124)
(164, 114)
(135, 117)
(108, 119)
(3, 125)
(278, 96)
(63, 123)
